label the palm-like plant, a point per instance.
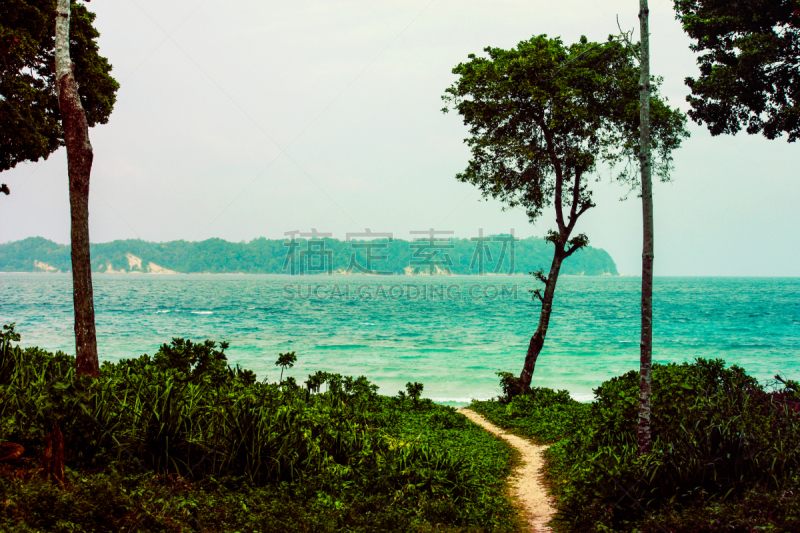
(285, 360)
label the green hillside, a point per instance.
(266, 256)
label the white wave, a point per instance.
(250, 308)
(583, 397)
(580, 397)
(163, 311)
(460, 400)
(202, 312)
(366, 324)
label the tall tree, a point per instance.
(30, 125)
(41, 89)
(648, 253)
(79, 163)
(542, 118)
(749, 68)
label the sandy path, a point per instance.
(525, 481)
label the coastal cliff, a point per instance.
(280, 256)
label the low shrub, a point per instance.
(543, 414)
(182, 441)
(723, 446)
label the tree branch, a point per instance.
(537, 293)
(584, 207)
(576, 189)
(576, 243)
(551, 152)
(626, 36)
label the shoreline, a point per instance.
(321, 276)
(423, 276)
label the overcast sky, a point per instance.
(246, 119)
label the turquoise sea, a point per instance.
(451, 333)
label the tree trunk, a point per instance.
(646, 348)
(79, 163)
(537, 341)
(53, 461)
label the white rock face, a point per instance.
(153, 268)
(110, 270)
(133, 261)
(44, 266)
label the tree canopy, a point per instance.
(749, 65)
(542, 118)
(543, 114)
(30, 121)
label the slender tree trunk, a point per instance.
(53, 459)
(646, 349)
(537, 341)
(79, 163)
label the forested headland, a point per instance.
(269, 256)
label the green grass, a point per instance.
(182, 442)
(726, 454)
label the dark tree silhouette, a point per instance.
(30, 117)
(749, 70)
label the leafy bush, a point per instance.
(543, 414)
(723, 446)
(181, 440)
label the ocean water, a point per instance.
(451, 333)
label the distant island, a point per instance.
(491, 255)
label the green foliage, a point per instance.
(30, 124)
(543, 414)
(508, 381)
(544, 112)
(262, 256)
(285, 360)
(188, 362)
(182, 441)
(414, 391)
(723, 447)
(9, 354)
(748, 65)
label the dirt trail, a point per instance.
(525, 481)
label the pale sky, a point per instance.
(247, 119)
